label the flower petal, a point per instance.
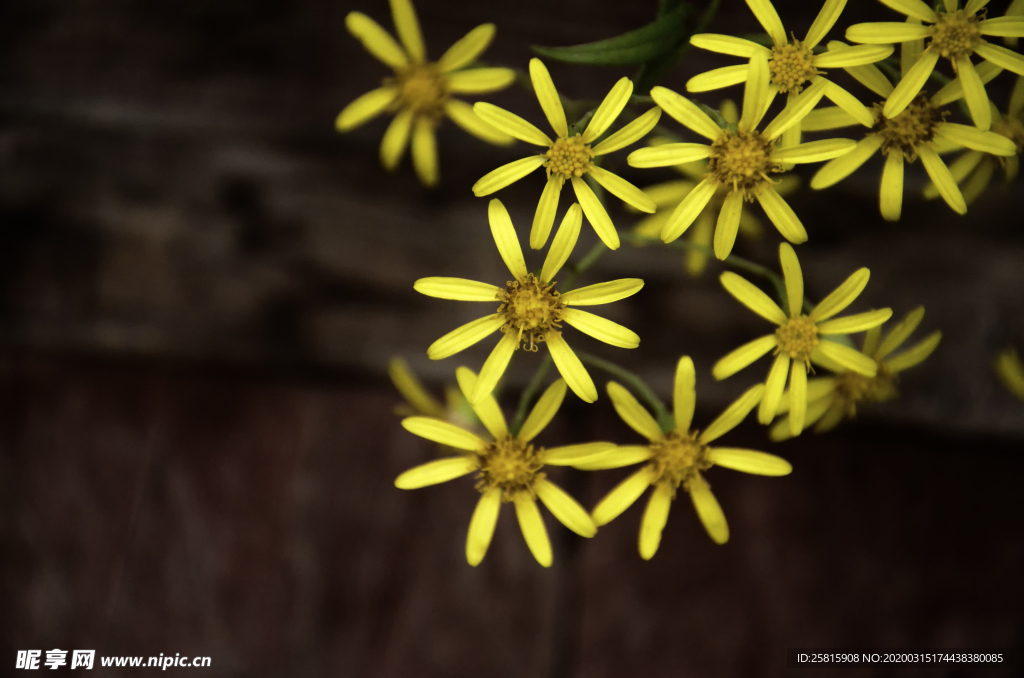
(440, 431)
(911, 84)
(915, 354)
(823, 23)
(630, 133)
(467, 48)
(912, 8)
(505, 238)
(708, 509)
(655, 517)
(375, 39)
(493, 368)
(954, 89)
(858, 55)
(750, 296)
(668, 155)
(687, 210)
(603, 293)
(733, 415)
(622, 497)
(481, 526)
(436, 472)
(458, 289)
(544, 217)
(845, 165)
(486, 408)
(842, 296)
(596, 214)
(797, 397)
(412, 389)
(827, 118)
(532, 526)
(566, 509)
(898, 334)
(623, 190)
(462, 115)
(781, 214)
(815, 151)
(1002, 57)
(718, 78)
(727, 44)
(855, 323)
(686, 112)
(755, 92)
(625, 455)
(736, 360)
(542, 413)
(465, 336)
(571, 369)
(601, 329)
(886, 32)
(684, 395)
(850, 104)
(495, 180)
(890, 197)
(408, 27)
(849, 358)
(749, 461)
(974, 93)
(424, 152)
(796, 109)
(1003, 27)
(366, 107)
(633, 413)
(511, 124)
(773, 388)
(396, 138)
(563, 244)
(548, 97)
(728, 224)
(942, 179)
(609, 110)
(480, 80)
(769, 19)
(571, 455)
(976, 139)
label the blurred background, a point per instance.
(201, 284)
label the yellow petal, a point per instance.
(686, 112)
(823, 23)
(708, 509)
(596, 213)
(942, 179)
(542, 413)
(480, 80)
(630, 133)
(625, 455)
(750, 296)
(603, 293)
(366, 107)
(855, 323)
(850, 104)
(566, 509)
(623, 190)
(915, 354)
(494, 367)
(622, 497)
(424, 152)
(817, 388)
(749, 461)
(571, 369)
(728, 224)
(796, 109)
(684, 396)
(842, 296)
(563, 244)
(436, 472)
(668, 194)
(408, 27)
(506, 239)
(609, 110)
(815, 410)
(871, 77)
(898, 334)
(727, 44)
(467, 49)
(797, 397)
(794, 278)
(544, 217)
(718, 78)
(974, 138)
(1010, 371)
(1004, 27)
(686, 212)
(396, 138)
(572, 455)
(462, 115)
(911, 84)
(886, 32)
(733, 415)
(1002, 57)
(755, 92)
(375, 39)
(890, 198)
(858, 55)
(912, 8)
(769, 19)
(486, 408)
(668, 155)
(532, 526)
(440, 431)
(548, 97)
(633, 413)
(743, 356)
(773, 388)
(465, 336)
(498, 179)
(974, 93)
(954, 89)
(412, 389)
(655, 517)
(781, 214)
(827, 118)
(481, 526)
(458, 289)
(849, 358)
(845, 165)
(601, 329)
(511, 124)
(815, 151)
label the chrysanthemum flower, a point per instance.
(741, 160)
(831, 399)
(800, 339)
(676, 459)
(953, 33)
(509, 469)
(569, 158)
(1010, 371)
(531, 310)
(918, 131)
(792, 63)
(420, 91)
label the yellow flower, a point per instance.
(456, 409)
(918, 131)
(800, 339)
(830, 399)
(791, 62)
(420, 91)
(953, 33)
(742, 159)
(1010, 371)
(676, 459)
(531, 310)
(508, 468)
(569, 158)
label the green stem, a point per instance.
(588, 260)
(526, 398)
(665, 419)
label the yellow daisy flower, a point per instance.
(676, 459)
(792, 63)
(569, 158)
(1010, 371)
(508, 470)
(831, 399)
(800, 339)
(742, 159)
(953, 33)
(918, 131)
(420, 91)
(531, 311)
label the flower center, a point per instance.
(791, 66)
(955, 34)
(568, 157)
(509, 465)
(852, 388)
(677, 458)
(742, 160)
(422, 88)
(914, 126)
(532, 308)
(797, 338)
(1012, 129)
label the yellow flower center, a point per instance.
(852, 388)
(422, 88)
(677, 458)
(914, 126)
(742, 160)
(955, 34)
(568, 157)
(797, 338)
(510, 465)
(1012, 129)
(791, 66)
(532, 308)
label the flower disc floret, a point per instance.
(511, 466)
(422, 88)
(791, 66)
(797, 338)
(742, 160)
(956, 34)
(910, 129)
(532, 309)
(568, 157)
(677, 458)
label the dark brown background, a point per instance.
(201, 284)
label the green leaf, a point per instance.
(629, 49)
(657, 68)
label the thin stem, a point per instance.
(531, 390)
(664, 417)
